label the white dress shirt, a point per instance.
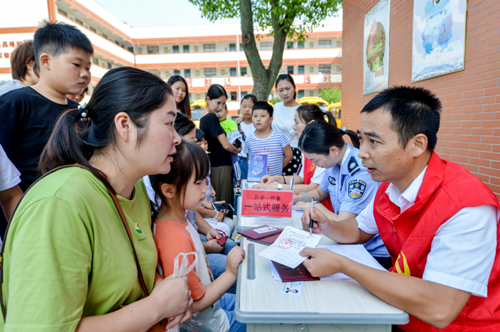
(464, 247)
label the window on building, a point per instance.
(153, 49)
(300, 45)
(78, 21)
(196, 48)
(185, 48)
(311, 45)
(234, 96)
(210, 72)
(243, 71)
(104, 36)
(130, 49)
(325, 69)
(95, 61)
(165, 50)
(175, 49)
(339, 43)
(267, 45)
(232, 47)
(155, 72)
(177, 72)
(93, 30)
(324, 43)
(140, 50)
(289, 45)
(311, 93)
(301, 94)
(232, 71)
(289, 70)
(62, 12)
(187, 72)
(108, 65)
(300, 69)
(241, 47)
(338, 68)
(208, 47)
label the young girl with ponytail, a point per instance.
(80, 244)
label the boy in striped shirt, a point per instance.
(265, 140)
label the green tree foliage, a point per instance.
(275, 100)
(333, 95)
(282, 19)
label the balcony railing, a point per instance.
(104, 44)
(234, 81)
(217, 57)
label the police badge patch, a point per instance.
(356, 189)
(332, 180)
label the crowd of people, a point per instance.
(117, 229)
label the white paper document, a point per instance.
(285, 250)
(355, 252)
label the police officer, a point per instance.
(346, 181)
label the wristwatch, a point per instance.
(280, 186)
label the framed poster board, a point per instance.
(438, 45)
(376, 48)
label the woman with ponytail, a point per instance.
(346, 182)
(70, 260)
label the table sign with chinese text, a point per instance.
(267, 203)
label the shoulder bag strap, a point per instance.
(125, 224)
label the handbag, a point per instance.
(158, 327)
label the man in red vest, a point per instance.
(438, 222)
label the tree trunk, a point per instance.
(263, 79)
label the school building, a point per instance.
(470, 122)
(202, 54)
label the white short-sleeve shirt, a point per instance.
(9, 175)
(464, 247)
(317, 177)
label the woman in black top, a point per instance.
(218, 145)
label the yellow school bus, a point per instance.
(197, 108)
(315, 101)
(335, 109)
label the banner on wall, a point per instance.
(376, 48)
(438, 38)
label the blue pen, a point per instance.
(311, 220)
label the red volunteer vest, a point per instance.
(309, 169)
(446, 188)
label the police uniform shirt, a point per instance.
(351, 189)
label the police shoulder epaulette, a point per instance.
(353, 165)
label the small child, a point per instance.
(184, 188)
(233, 134)
(247, 129)
(216, 219)
(267, 141)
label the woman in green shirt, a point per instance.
(68, 261)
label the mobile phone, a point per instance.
(222, 240)
(237, 143)
(218, 207)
